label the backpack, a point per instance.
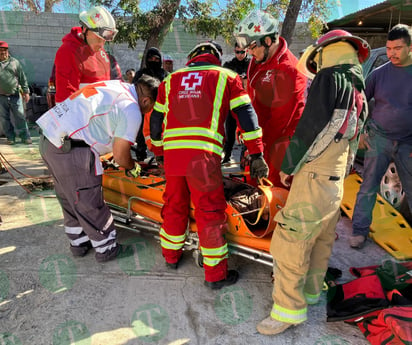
(376, 288)
(391, 326)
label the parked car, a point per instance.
(391, 187)
(376, 58)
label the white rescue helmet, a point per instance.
(100, 21)
(255, 26)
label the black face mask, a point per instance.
(154, 65)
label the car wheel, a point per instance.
(391, 187)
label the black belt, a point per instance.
(78, 143)
(68, 144)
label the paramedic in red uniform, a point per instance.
(193, 103)
(81, 59)
(275, 86)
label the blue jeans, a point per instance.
(13, 105)
(376, 162)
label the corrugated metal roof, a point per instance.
(378, 18)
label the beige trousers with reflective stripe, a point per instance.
(303, 239)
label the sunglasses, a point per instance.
(106, 34)
(240, 51)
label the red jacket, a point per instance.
(194, 103)
(277, 92)
(77, 64)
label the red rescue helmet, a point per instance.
(333, 36)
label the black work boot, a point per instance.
(108, 255)
(81, 250)
(174, 265)
(231, 278)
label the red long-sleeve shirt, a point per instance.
(76, 63)
(276, 90)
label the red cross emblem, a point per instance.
(97, 16)
(257, 28)
(191, 81)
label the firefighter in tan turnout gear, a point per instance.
(318, 157)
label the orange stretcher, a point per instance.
(136, 204)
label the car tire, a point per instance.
(391, 187)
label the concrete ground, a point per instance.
(49, 297)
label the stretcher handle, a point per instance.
(263, 183)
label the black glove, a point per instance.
(258, 166)
(135, 172)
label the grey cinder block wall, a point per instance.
(34, 40)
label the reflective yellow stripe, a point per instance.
(213, 256)
(252, 135)
(171, 242)
(287, 315)
(157, 143)
(312, 299)
(169, 245)
(193, 144)
(222, 70)
(217, 103)
(159, 107)
(238, 101)
(173, 238)
(193, 131)
(229, 72)
(214, 251)
(213, 261)
(166, 106)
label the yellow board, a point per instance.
(388, 229)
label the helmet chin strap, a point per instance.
(85, 36)
(266, 51)
(319, 64)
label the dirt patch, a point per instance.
(39, 185)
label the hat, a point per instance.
(167, 57)
(4, 45)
